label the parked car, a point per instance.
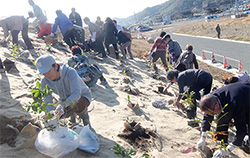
(167, 22)
(144, 28)
(211, 17)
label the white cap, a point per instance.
(44, 63)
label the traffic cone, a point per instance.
(240, 66)
(213, 58)
(203, 56)
(225, 62)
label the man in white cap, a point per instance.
(74, 94)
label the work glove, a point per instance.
(202, 141)
(246, 140)
(52, 34)
(222, 152)
(59, 111)
(150, 54)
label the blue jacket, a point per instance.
(63, 22)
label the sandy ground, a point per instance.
(170, 133)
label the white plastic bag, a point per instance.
(57, 143)
(88, 140)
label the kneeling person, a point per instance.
(75, 96)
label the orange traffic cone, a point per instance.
(240, 66)
(203, 56)
(225, 62)
(213, 58)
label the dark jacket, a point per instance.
(94, 28)
(237, 96)
(122, 38)
(110, 32)
(75, 19)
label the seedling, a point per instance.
(118, 150)
(214, 134)
(48, 46)
(196, 120)
(38, 105)
(15, 51)
(188, 102)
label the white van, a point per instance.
(211, 17)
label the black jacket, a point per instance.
(75, 20)
(237, 97)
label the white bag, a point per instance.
(88, 140)
(57, 143)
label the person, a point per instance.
(242, 77)
(195, 80)
(75, 18)
(1, 66)
(72, 34)
(218, 30)
(110, 36)
(15, 24)
(75, 96)
(173, 48)
(45, 30)
(187, 60)
(38, 13)
(99, 23)
(160, 51)
(96, 37)
(229, 102)
(124, 43)
(78, 59)
(118, 27)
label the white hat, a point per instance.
(44, 63)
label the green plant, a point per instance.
(128, 98)
(15, 51)
(214, 133)
(196, 120)
(38, 105)
(48, 46)
(118, 150)
(188, 102)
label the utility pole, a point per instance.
(237, 11)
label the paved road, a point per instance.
(235, 50)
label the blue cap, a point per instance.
(44, 63)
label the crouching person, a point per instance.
(74, 94)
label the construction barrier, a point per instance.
(222, 59)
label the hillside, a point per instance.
(179, 9)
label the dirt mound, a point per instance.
(9, 129)
(139, 137)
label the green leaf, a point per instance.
(36, 94)
(34, 91)
(145, 156)
(38, 85)
(49, 115)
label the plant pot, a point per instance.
(160, 89)
(192, 123)
(132, 105)
(191, 113)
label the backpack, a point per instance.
(128, 35)
(185, 60)
(89, 73)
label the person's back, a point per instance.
(63, 22)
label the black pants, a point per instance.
(204, 81)
(25, 36)
(161, 55)
(98, 47)
(74, 35)
(107, 42)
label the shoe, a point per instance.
(131, 58)
(104, 82)
(2, 70)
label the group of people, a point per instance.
(228, 103)
(102, 33)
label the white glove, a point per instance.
(222, 152)
(59, 111)
(202, 142)
(51, 35)
(150, 54)
(246, 140)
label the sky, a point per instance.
(89, 8)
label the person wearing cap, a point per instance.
(195, 80)
(75, 96)
(15, 24)
(229, 102)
